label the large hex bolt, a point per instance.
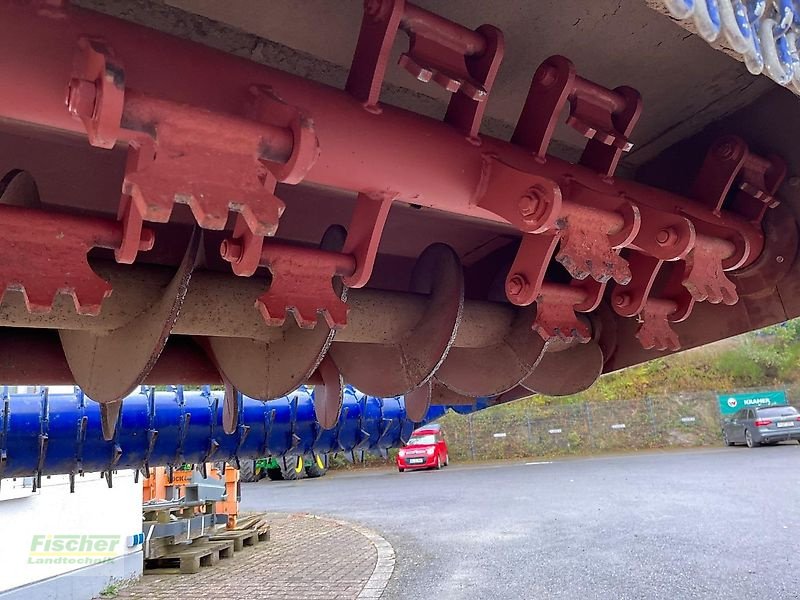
(516, 285)
(532, 204)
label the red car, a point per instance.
(426, 449)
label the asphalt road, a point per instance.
(699, 524)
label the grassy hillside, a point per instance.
(766, 358)
(652, 400)
(666, 402)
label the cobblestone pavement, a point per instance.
(307, 558)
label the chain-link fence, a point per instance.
(516, 432)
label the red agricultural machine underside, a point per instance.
(400, 199)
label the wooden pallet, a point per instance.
(257, 522)
(189, 558)
(242, 537)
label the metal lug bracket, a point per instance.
(524, 280)
(529, 202)
(302, 283)
(556, 307)
(211, 162)
(364, 235)
(628, 300)
(462, 61)
(96, 92)
(606, 117)
(44, 254)
(663, 235)
(593, 227)
(704, 276)
(673, 304)
(729, 163)
(654, 330)
(760, 179)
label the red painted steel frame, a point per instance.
(421, 160)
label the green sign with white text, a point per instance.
(731, 403)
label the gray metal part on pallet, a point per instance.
(181, 529)
(205, 489)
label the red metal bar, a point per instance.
(45, 254)
(230, 133)
(419, 159)
(455, 36)
(339, 263)
(302, 283)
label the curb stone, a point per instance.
(384, 565)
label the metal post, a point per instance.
(529, 427)
(652, 412)
(588, 413)
(471, 437)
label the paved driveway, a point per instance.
(306, 558)
(721, 523)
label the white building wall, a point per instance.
(45, 548)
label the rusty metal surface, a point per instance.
(391, 370)
(328, 394)
(495, 369)
(267, 370)
(110, 364)
(777, 259)
(567, 371)
(207, 312)
(418, 401)
(33, 356)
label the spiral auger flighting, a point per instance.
(203, 264)
(46, 433)
(764, 32)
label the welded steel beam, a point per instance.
(417, 158)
